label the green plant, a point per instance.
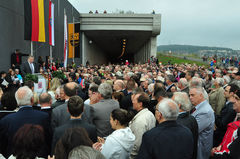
(58, 74)
(31, 77)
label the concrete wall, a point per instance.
(91, 52)
(12, 30)
(146, 51)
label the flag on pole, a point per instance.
(65, 40)
(74, 40)
(51, 23)
(34, 22)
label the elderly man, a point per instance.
(184, 118)
(101, 111)
(216, 96)
(26, 115)
(183, 85)
(118, 86)
(169, 139)
(204, 115)
(143, 121)
(60, 115)
(45, 101)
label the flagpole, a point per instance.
(51, 54)
(31, 48)
(73, 36)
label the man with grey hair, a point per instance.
(100, 114)
(119, 86)
(198, 82)
(26, 115)
(216, 96)
(184, 117)
(204, 115)
(183, 85)
(155, 142)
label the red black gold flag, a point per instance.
(34, 26)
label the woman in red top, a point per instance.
(54, 68)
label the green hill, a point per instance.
(188, 48)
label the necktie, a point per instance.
(31, 66)
(192, 110)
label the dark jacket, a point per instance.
(59, 131)
(12, 122)
(25, 68)
(48, 110)
(14, 58)
(60, 116)
(126, 102)
(190, 122)
(227, 115)
(168, 140)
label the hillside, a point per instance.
(189, 48)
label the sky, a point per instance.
(184, 22)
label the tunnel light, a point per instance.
(90, 41)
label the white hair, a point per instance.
(196, 82)
(227, 79)
(151, 87)
(169, 109)
(105, 90)
(220, 81)
(183, 82)
(23, 96)
(182, 99)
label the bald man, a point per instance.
(45, 101)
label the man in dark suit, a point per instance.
(60, 114)
(169, 139)
(184, 117)
(29, 66)
(45, 101)
(16, 59)
(126, 102)
(75, 108)
(26, 115)
(227, 115)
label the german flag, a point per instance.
(34, 26)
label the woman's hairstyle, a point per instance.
(8, 101)
(28, 142)
(55, 83)
(85, 152)
(72, 138)
(121, 115)
(118, 95)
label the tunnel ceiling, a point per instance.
(110, 41)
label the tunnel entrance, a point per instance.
(111, 44)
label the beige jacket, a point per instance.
(217, 100)
(142, 122)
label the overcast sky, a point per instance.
(189, 22)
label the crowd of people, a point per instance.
(142, 111)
